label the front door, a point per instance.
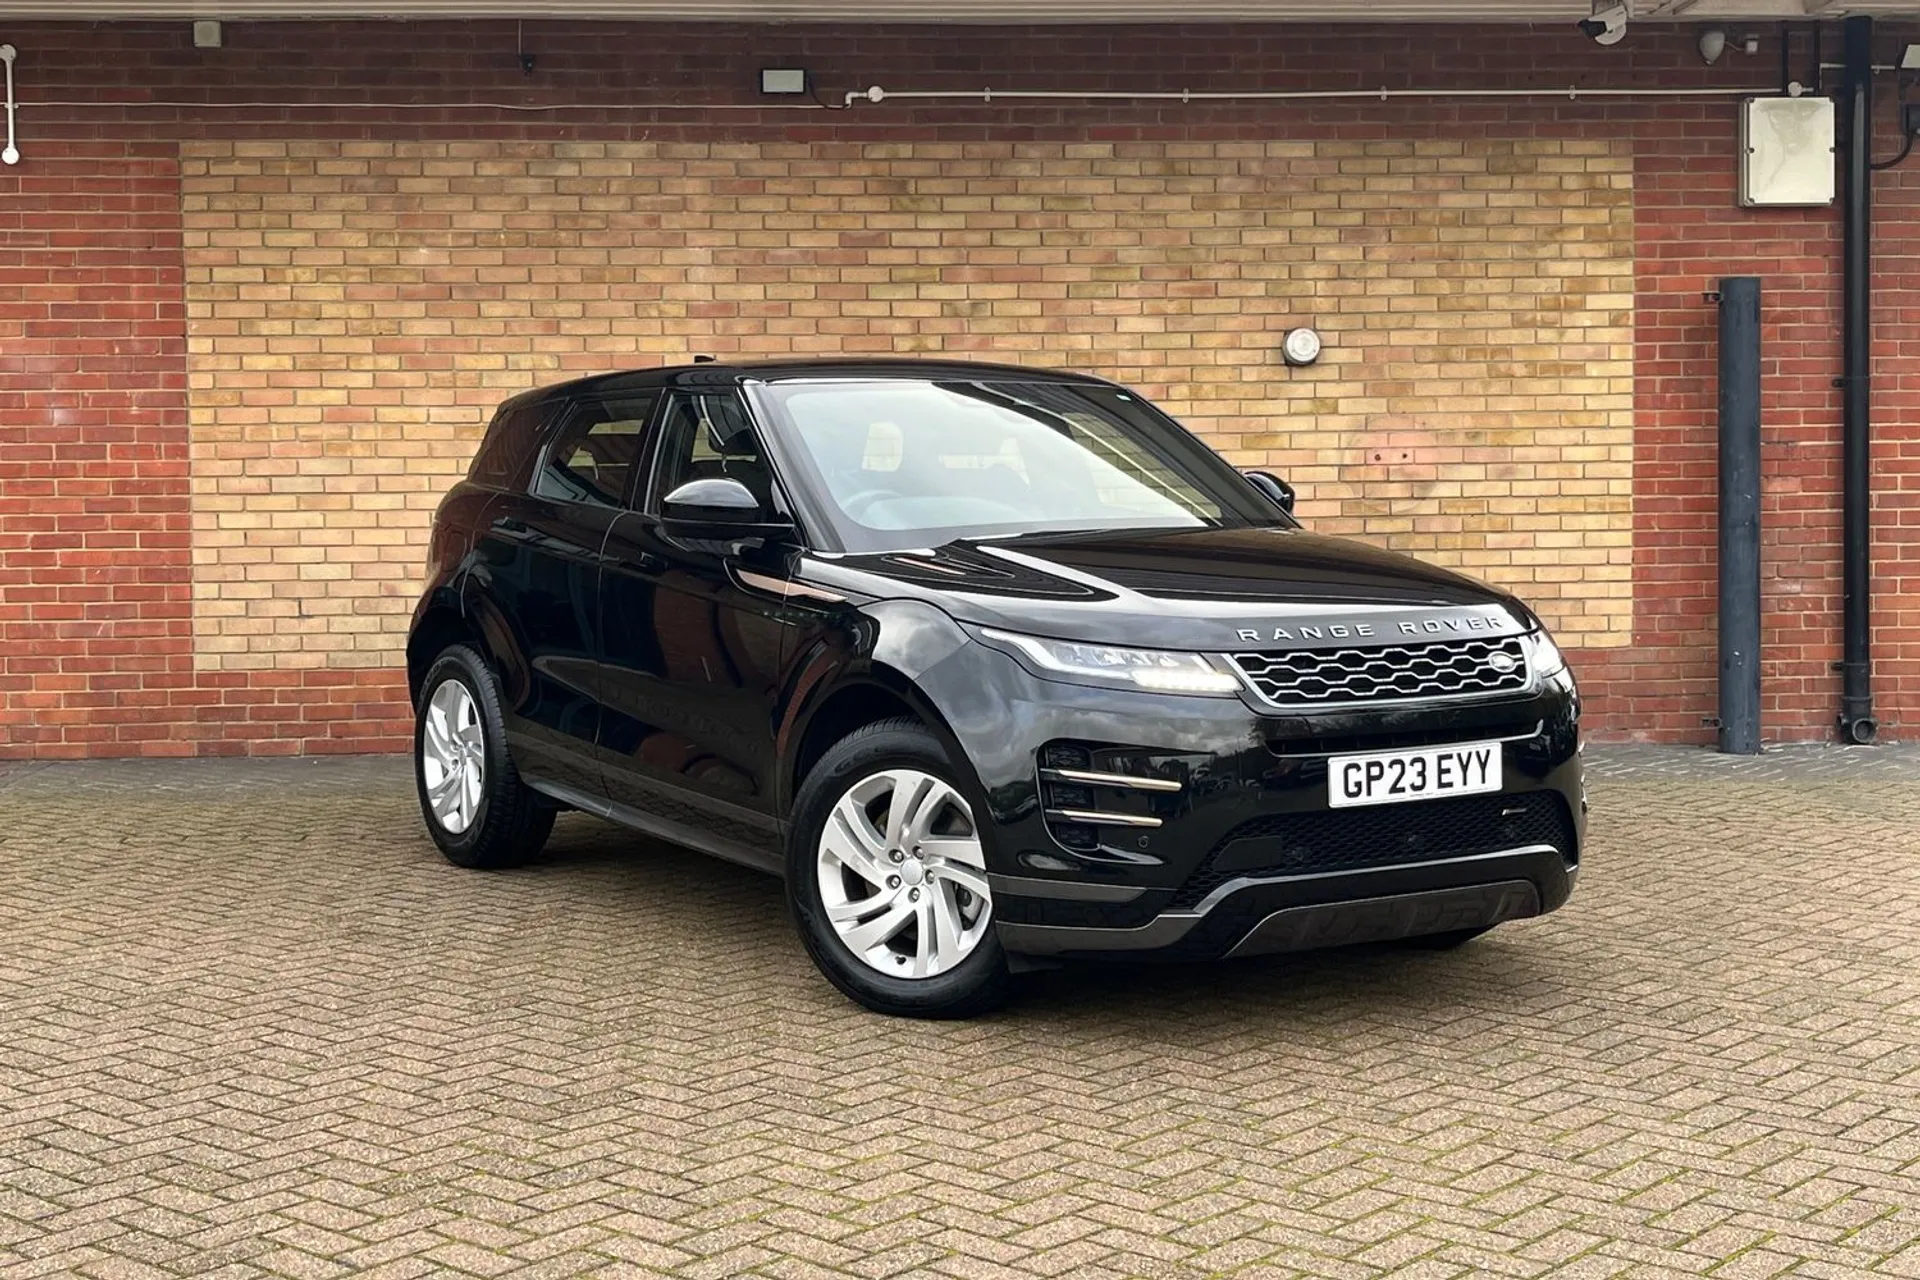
(692, 642)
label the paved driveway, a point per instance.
(251, 1024)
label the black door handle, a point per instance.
(511, 524)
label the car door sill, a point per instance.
(661, 828)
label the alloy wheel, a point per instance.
(453, 756)
(902, 875)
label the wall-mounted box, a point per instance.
(1786, 151)
(783, 80)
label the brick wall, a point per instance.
(1519, 377)
(1474, 405)
(94, 606)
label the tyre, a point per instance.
(477, 809)
(887, 877)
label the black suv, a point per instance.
(996, 666)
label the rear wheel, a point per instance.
(887, 877)
(477, 809)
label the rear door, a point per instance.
(693, 640)
(536, 584)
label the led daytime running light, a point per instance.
(1155, 669)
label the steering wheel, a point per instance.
(856, 505)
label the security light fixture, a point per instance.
(1910, 58)
(1301, 346)
(783, 80)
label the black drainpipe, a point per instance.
(1856, 696)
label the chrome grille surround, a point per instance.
(1308, 679)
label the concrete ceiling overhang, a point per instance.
(947, 11)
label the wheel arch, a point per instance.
(448, 619)
(898, 658)
(440, 624)
(874, 694)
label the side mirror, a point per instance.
(720, 509)
(1277, 490)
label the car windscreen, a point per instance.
(896, 463)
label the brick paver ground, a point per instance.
(251, 1024)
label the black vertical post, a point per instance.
(1856, 688)
(1740, 515)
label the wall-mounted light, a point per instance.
(1301, 346)
(206, 34)
(1910, 58)
(783, 80)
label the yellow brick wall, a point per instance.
(357, 308)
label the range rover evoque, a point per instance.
(995, 666)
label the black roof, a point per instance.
(732, 373)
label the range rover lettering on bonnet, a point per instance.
(1454, 624)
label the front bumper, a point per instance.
(1259, 916)
(1244, 855)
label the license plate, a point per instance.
(1394, 777)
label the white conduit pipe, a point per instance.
(875, 94)
(1573, 92)
(12, 153)
(103, 103)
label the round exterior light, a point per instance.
(1300, 346)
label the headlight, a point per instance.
(1543, 655)
(1154, 669)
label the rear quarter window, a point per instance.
(506, 453)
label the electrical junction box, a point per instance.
(1786, 151)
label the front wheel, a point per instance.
(887, 878)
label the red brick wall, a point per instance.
(95, 593)
(1691, 234)
(95, 644)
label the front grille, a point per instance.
(1331, 677)
(1295, 844)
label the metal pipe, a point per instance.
(1856, 534)
(1740, 515)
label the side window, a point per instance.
(511, 437)
(708, 435)
(594, 454)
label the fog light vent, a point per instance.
(1061, 755)
(1076, 835)
(1062, 796)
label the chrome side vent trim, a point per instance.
(1093, 778)
(1101, 818)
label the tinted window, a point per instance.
(703, 436)
(593, 456)
(510, 441)
(902, 463)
